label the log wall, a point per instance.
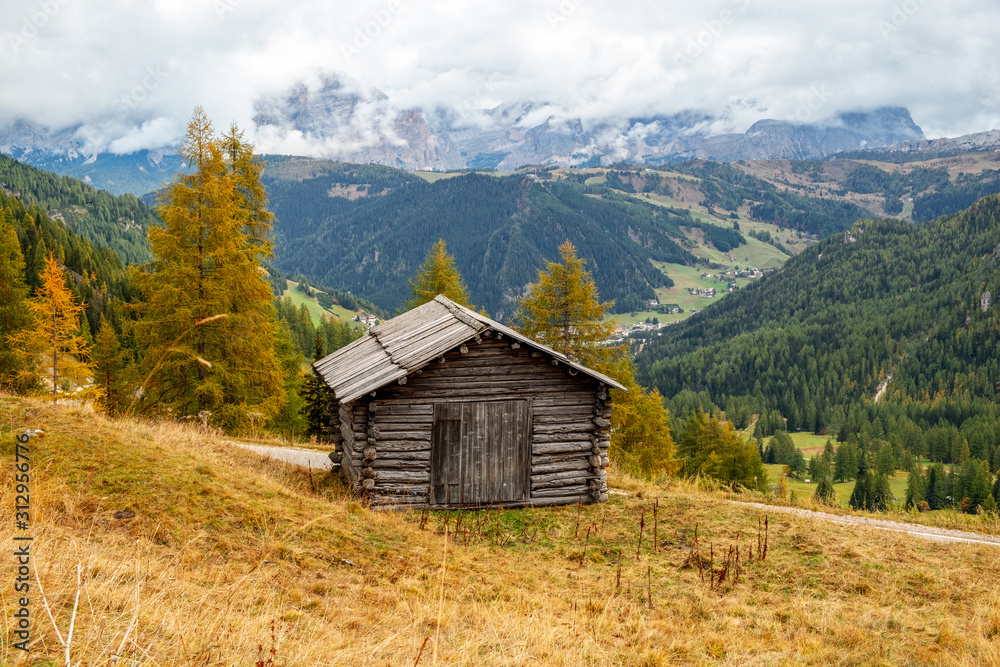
(386, 438)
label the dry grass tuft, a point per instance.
(231, 558)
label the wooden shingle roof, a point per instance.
(397, 347)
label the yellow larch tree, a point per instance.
(51, 345)
(438, 275)
(208, 326)
(563, 311)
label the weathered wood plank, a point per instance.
(404, 445)
(381, 464)
(557, 458)
(561, 492)
(527, 384)
(388, 455)
(568, 427)
(403, 476)
(560, 466)
(403, 489)
(408, 435)
(559, 481)
(584, 410)
(408, 425)
(575, 398)
(561, 437)
(414, 409)
(581, 447)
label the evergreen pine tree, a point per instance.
(937, 492)
(53, 340)
(828, 452)
(315, 394)
(863, 495)
(881, 494)
(792, 423)
(885, 461)
(916, 487)
(797, 464)
(818, 468)
(990, 505)
(14, 314)
(825, 492)
(289, 419)
(437, 275)
(208, 324)
(977, 486)
(108, 361)
(846, 463)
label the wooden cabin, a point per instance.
(443, 407)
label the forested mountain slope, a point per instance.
(98, 278)
(369, 239)
(109, 221)
(884, 299)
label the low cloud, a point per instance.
(64, 63)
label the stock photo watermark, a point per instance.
(712, 30)
(124, 104)
(814, 99)
(562, 13)
(899, 17)
(363, 36)
(223, 7)
(481, 97)
(34, 22)
(21, 618)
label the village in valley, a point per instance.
(660, 314)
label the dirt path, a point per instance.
(302, 457)
(321, 461)
(925, 532)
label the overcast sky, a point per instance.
(132, 70)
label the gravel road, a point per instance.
(321, 461)
(302, 457)
(925, 532)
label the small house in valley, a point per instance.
(444, 407)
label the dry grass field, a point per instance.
(234, 559)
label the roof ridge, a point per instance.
(463, 313)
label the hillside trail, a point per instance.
(307, 458)
(917, 530)
(318, 460)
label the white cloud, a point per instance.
(67, 62)
(155, 133)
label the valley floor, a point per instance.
(229, 555)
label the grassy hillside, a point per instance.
(229, 556)
(317, 311)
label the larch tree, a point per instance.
(14, 313)
(51, 346)
(208, 325)
(708, 446)
(563, 311)
(437, 275)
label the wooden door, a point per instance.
(481, 452)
